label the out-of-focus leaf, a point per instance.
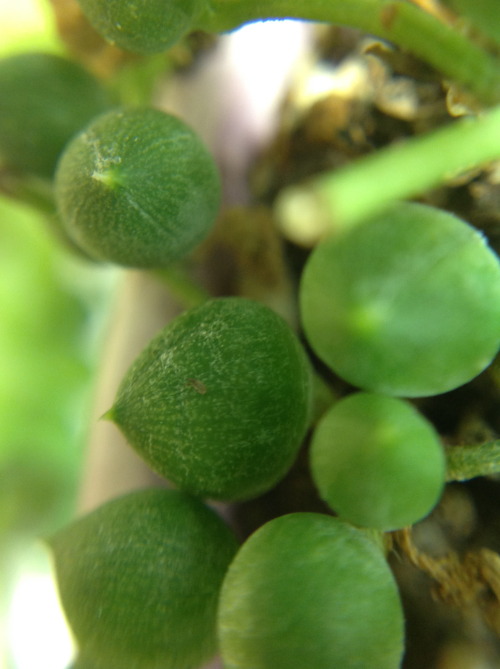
(46, 360)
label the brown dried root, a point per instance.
(471, 582)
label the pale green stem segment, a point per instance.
(189, 293)
(467, 462)
(135, 83)
(33, 191)
(483, 14)
(397, 21)
(342, 198)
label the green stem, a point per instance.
(182, 286)
(30, 190)
(483, 14)
(365, 187)
(135, 83)
(397, 21)
(467, 462)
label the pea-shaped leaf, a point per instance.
(44, 100)
(143, 26)
(405, 304)
(137, 187)
(139, 580)
(308, 590)
(377, 462)
(219, 401)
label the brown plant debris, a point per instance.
(471, 582)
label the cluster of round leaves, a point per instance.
(405, 305)
(154, 580)
(219, 403)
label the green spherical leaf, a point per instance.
(307, 590)
(137, 187)
(377, 462)
(44, 100)
(139, 580)
(219, 401)
(143, 26)
(405, 304)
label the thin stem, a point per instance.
(397, 21)
(404, 170)
(467, 462)
(33, 191)
(182, 286)
(135, 83)
(483, 14)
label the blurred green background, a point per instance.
(52, 316)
